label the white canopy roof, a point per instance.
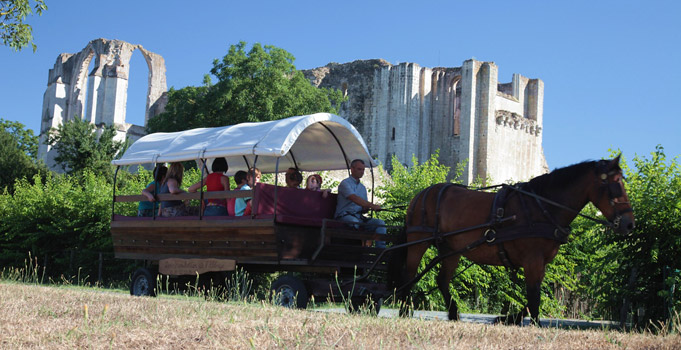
(314, 142)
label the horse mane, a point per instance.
(561, 177)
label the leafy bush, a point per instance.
(51, 217)
(65, 219)
(636, 277)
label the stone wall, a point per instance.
(464, 112)
(107, 85)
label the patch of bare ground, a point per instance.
(68, 318)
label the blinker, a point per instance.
(614, 190)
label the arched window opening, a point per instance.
(138, 89)
(393, 137)
(455, 108)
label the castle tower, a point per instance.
(464, 112)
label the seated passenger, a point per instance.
(171, 184)
(314, 183)
(215, 181)
(352, 201)
(242, 205)
(147, 208)
(293, 178)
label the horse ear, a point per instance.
(615, 162)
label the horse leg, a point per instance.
(413, 260)
(447, 269)
(533, 279)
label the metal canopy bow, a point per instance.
(314, 142)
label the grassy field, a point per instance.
(60, 317)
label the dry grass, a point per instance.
(67, 318)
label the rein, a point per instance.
(393, 209)
(556, 204)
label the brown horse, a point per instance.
(520, 226)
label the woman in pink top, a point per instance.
(215, 181)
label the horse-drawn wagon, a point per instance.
(289, 230)
(292, 230)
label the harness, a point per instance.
(498, 231)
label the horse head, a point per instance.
(610, 197)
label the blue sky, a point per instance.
(611, 69)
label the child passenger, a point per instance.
(242, 205)
(215, 181)
(293, 178)
(314, 183)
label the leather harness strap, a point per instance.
(439, 238)
(495, 233)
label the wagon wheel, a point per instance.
(365, 304)
(289, 291)
(143, 283)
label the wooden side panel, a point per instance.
(194, 239)
(259, 241)
(298, 242)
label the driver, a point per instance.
(352, 202)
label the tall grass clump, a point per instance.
(31, 273)
(238, 286)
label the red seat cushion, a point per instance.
(295, 206)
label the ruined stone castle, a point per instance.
(464, 112)
(100, 95)
(402, 110)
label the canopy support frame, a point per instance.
(276, 186)
(340, 145)
(113, 202)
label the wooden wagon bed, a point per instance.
(297, 234)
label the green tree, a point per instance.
(185, 110)
(259, 85)
(80, 146)
(28, 142)
(14, 162)
(14, 32)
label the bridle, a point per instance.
(614, 190)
